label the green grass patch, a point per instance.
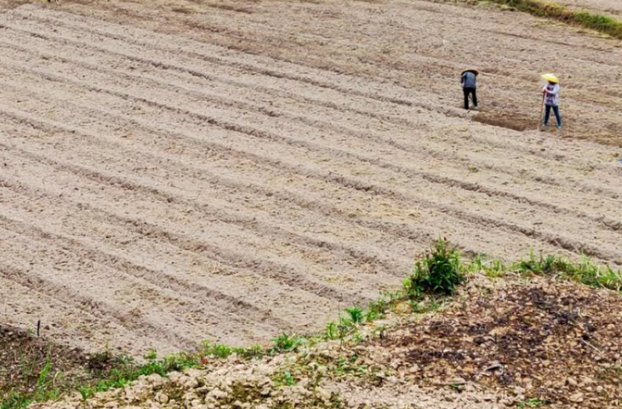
(585, 271)
(601, 23)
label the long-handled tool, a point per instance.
(541, 113)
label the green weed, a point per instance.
(284, 378)
(86, 392)
(491, 268)
(355, 314)
(151, 355)
(585, 271)
(531, 403)
(285, 343)
(439, 272)
(255, 351)
(331, 332)
(420, 307)
(215, 350)
(376, 310)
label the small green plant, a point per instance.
(495, 268)
(285, 343)
(43, 377)
(345, 324)
(284, 378)
(349, 366)
(215, 350)
(531, 403)
(355, 314)
(376, 310)
(151, 355)
(221, 351)
(440, 272)
(86, 393)
(255, 351)
(331, 332)
(421, 307)
(358, 338)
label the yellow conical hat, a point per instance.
(551, 78)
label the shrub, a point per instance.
(439, 272)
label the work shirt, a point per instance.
(552, 97)
(468, 80)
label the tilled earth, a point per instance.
(187, 170)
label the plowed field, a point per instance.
(177, 172)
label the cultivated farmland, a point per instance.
(173, 172)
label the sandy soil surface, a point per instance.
(177, 172)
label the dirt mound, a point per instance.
(503, 343)
(559, 343)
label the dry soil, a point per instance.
(178, 171)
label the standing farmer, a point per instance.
(550, 95)
(469, 86)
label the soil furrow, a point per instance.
(554, 239)
(209, 76)
(100, 309)
(243, 311)
(419, 149)
(550, 238)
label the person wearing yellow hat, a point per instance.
(469, 87)
(551, 99)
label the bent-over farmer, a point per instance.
(469, 87)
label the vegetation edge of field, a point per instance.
(602, 23)
(435, 276)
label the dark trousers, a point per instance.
(467, 92)
(547, 114)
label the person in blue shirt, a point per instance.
(469, 87)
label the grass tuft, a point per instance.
(355, 314)
(286, 343)
(585, 271)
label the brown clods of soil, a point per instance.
(559, 343)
